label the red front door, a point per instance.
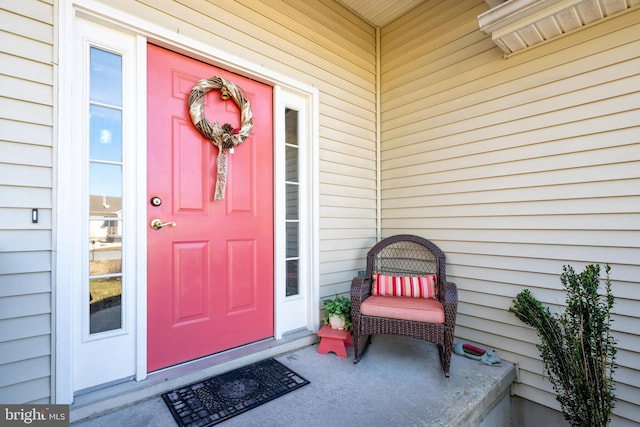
(210, 278)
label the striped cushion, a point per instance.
(405, 286)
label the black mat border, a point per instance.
(201, 423)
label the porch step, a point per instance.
(99, 401)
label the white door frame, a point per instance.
(68, 252)
(115, 347)
(290, 311)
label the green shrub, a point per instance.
(576, 347)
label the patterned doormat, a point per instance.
(219, 398)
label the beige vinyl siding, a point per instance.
(321, 44)
(26, 120)
(516, 167)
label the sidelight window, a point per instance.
(292, 190)
(105, 191)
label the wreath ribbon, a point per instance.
(225, 137)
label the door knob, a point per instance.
(157, 224)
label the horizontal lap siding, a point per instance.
(516, 167)
(26, 133)
(323, 45)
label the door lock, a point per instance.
(157, 224)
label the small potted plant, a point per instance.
(338, 312)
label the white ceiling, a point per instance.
(380, 12)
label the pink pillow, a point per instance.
(405, 286)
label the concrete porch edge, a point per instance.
(104, 400)
(481, 412)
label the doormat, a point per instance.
(219, 398)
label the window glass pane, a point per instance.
(292, 164)
(292, 188)
(291, 126)
(105, 191)
(105, 245)
(292, 240)
(292, 278)
(105, 185)
(105, 258)
(105, 78)
(105, 304)
(292, 201)
(105, 127)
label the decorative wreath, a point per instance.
(225, 137)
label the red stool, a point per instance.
(334, 340)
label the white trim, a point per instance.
(314, 220)
(63, 270)
(115, 348)
(513, 13)
(65, 253)
(140, 214)
(517, 25)
(279, 268)
(297, 311)
(312, 213)
(91, 9)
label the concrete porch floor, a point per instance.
(399, 382)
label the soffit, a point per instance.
(380, 12)
(519, 24)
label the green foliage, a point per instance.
(577, 348)
(339, 306)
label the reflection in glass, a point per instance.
(105, 191)
(105, 241)
(105, 128)
(292, 240)
(293, 284)
(292, 163)
(106, 180)
(292, 200)
(105, 310)
(292, 208)
(291, 126)
(105, 258)
(105, 78)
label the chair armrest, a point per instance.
(449, 300)
(360, 289)
(449, 293)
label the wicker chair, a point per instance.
(405, 255)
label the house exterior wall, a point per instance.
(321, 44)
(26, 157)
(318, 43)
(516, 167)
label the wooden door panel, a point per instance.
(190, 280)
(210, 278)
(243, 282)
(190, 169)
